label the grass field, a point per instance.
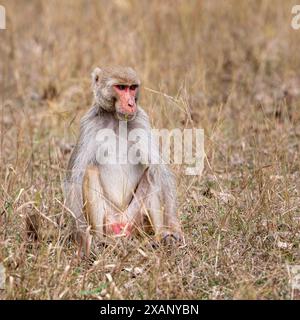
(230, 67)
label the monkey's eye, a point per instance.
(133, 87)
(121, 86)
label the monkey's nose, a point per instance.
(131, 103)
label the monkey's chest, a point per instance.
(120, 181)
(121, 168)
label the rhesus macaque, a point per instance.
(114, 200)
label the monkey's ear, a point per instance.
(96, 75)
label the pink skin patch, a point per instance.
(118, 228)
(127, 98)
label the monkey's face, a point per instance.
(126, 101)
(116, 90)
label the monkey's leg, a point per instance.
(149, 199)
(95, 205)
(73, 195)
(165, 222)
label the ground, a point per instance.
(229, 67)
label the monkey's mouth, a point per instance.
(125, 116)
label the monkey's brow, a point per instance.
(120, 81)
(126, 81)
(127, 84)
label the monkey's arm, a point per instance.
(80, 158)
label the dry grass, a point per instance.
(233, 67)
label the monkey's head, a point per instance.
(116, 90)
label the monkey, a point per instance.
(115, 200)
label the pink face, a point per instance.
(126, 99)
